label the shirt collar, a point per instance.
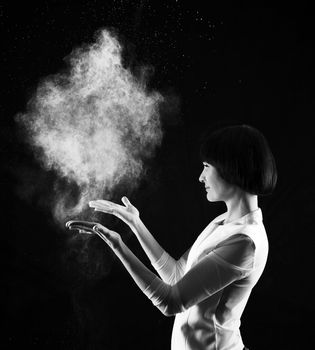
(253, 217)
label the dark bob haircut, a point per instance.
(242, 157)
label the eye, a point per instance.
(205, 165)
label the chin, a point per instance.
(211, 199)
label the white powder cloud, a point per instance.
(95, 125)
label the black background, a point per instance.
(216, 64)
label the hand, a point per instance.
(81, 226)
(112, 238)
(127, 213)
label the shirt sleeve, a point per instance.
(231, 260)
(169, 269)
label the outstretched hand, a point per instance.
(112, 238)
(127, 212)
(81, 226)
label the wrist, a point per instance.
(121, 251)
(136, 224)
(118, 246)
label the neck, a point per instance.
(240, 204)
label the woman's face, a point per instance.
(217, 189)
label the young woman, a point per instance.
(208, 287)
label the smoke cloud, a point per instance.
(95, 125)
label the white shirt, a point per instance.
(208, 287)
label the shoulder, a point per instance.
(240, 240)
(236, 249)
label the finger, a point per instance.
(87, 232)
(76, 227)
(80, 228)
(104, 201)
(104, 204)
(114, 211)
(82, 224)
(98, 203)
(102, 229)
(106, 240)
(68, 223)
(104, 209)
(126, 201)
(103, 234)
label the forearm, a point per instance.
(148, 243)
(137, 270)
(162, 295)
(169, 269)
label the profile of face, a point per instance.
(217, 189)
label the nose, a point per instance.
(201, 177)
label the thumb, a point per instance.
(125, 200)
(101, 229)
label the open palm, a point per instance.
(112, 238)
(127, 212)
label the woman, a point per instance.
(208, 287)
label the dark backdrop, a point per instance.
(217, 64)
